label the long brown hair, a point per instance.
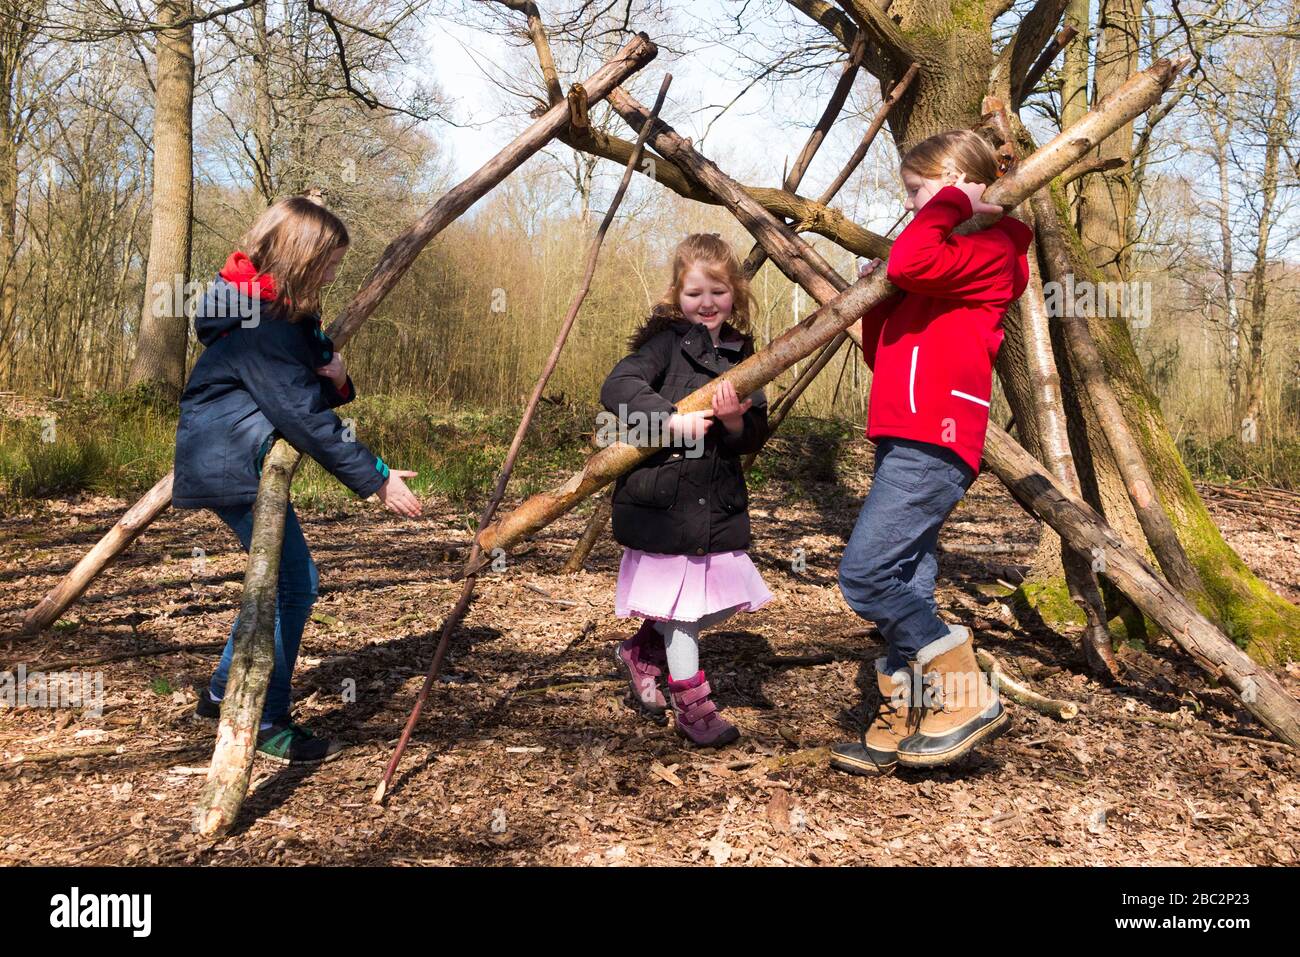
(962, 151)
(292, 241)
(712, 254)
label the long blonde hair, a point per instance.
(962, 151)
(717, 259)
(292, 241)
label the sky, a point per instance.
(760, 140)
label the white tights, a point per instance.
(682, 642)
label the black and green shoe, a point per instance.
(288, 743)
(208, 709)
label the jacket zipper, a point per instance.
(911, 380)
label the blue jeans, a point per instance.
(295, 594)
(888, 570)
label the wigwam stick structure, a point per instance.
(1077, 523)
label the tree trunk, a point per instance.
(1074, 72)
(1274, 141)
(262, 113)
(1107, 197)
(164, 328)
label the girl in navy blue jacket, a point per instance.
(269, 371)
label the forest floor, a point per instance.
(526, 753)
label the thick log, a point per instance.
(798, 261)
(250, 668)
(392, 265)
(1079, 524)
(137, 518)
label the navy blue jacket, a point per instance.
(255, 382)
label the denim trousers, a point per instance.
(294, 596)
(888, 570)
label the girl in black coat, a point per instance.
(682, 514)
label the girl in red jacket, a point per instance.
(931, 349)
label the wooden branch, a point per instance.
(393, 264)
(757, 256)
(1053, 437)
(118, 538)
(1089, 166)
(830, 17)
(1023, 695)
(1050, 53)
(254, 658)
(1017, 57)
(595, 527)
(840, 312)
(1081, 527)
(877, 121)
(1096, 387)
(812, 216)
(824, 123)
(475, 561)
(537, 33)
(888, 47)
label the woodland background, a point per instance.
(282, 105)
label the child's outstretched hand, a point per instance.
(396, 497)
(335, 371)
(974, 192)
(690, 426)
(728, 407)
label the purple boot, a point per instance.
(643, 660)
(697, 716)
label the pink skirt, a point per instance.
(687, 587)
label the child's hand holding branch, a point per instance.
(728, 408)
(335, 371)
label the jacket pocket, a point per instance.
(732, 493)
(655, 483)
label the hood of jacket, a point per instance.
(239, 295)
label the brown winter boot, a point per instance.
(958, 707)
(877, 751)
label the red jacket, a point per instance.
(931, 347)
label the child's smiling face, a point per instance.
(705, 299)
